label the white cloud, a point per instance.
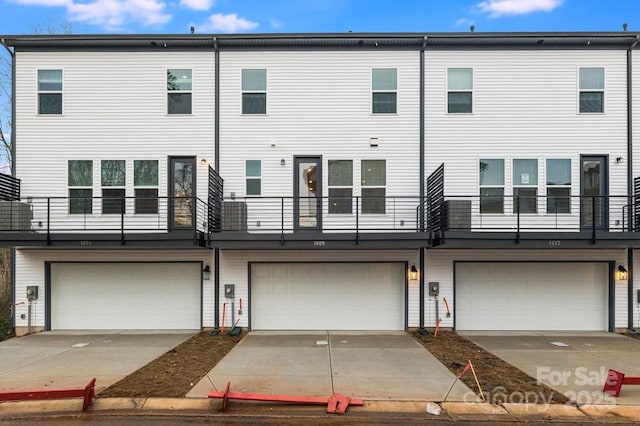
(230, 23)
(197, 4)
(43, 2)
(463, 21)
(275, 23)
(496, 8)
(113, 14)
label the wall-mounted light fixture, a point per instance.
(282, 162)
(203, 162)
(413, 273)
(206, 273)
(621, 273)
(619, 159)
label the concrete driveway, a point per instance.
(574, 363)
(373, 366)
(64, 359)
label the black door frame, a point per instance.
(171, 191)
(296, 190)
(604, 176)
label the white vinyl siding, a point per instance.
(527, 109)
(124, 119)
(319, 103)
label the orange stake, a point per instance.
(224, 314)
(435, 333)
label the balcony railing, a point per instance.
(103, 214)
(533, 214)
(326, 214)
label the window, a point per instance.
(459, 90)
(113, 182)
(80, 181)
(145, 182)
(253, 172)
(179, 91)
(373, 174)
(525, 186)
(559, 186)
(49, 92)
(591, 90)
(384, 88)
(254, 91)
(491, 186)
(340, 186)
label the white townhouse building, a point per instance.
(476, 181)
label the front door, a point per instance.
(182, 190)
(594, 187)
(307, 190)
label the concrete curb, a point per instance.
(456, 411)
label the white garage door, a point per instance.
(143, 296)
(532, 296)
(327, 296)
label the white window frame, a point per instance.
(569, 187)
(481, 186)
(143, 187)
(49, 92)
(472, 91)
(118, 187)
(374, 91)
(179, 92)
(603, 90)
(525, 186)
(265, 92)
(363, 186)
(80, 187)
(247, 178)
(330, 187)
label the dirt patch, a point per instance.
(173, 374)
(500, 381)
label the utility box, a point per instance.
(32, 292)
(434, 288)
(229, 291)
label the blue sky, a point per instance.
(266, 16)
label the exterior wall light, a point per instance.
(621, 273)
(206, 273)
(203, 162)
(282, 162)
(413, 273)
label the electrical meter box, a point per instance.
(32, 292)
(229, 291)
(434, 288)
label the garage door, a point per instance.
(327, 296)
(531, 296)
(142, 296)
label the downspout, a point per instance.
(13, 173)
(216, 148)
(630, 175)
(422, 179)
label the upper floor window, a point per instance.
(49, 91)
(80, 182)
(491, 179)
(591, 90)
(559, 185)
(253, 171)
(459, 90)
(340, 186)
(179, 91)
(254, 91)
(373, 176)
(113, 185)
(525, 186)
(384, 88)
(145, 182)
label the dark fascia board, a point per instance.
(327, 40)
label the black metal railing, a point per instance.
(104, 214)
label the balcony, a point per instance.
(540, 221)
(104, 221)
